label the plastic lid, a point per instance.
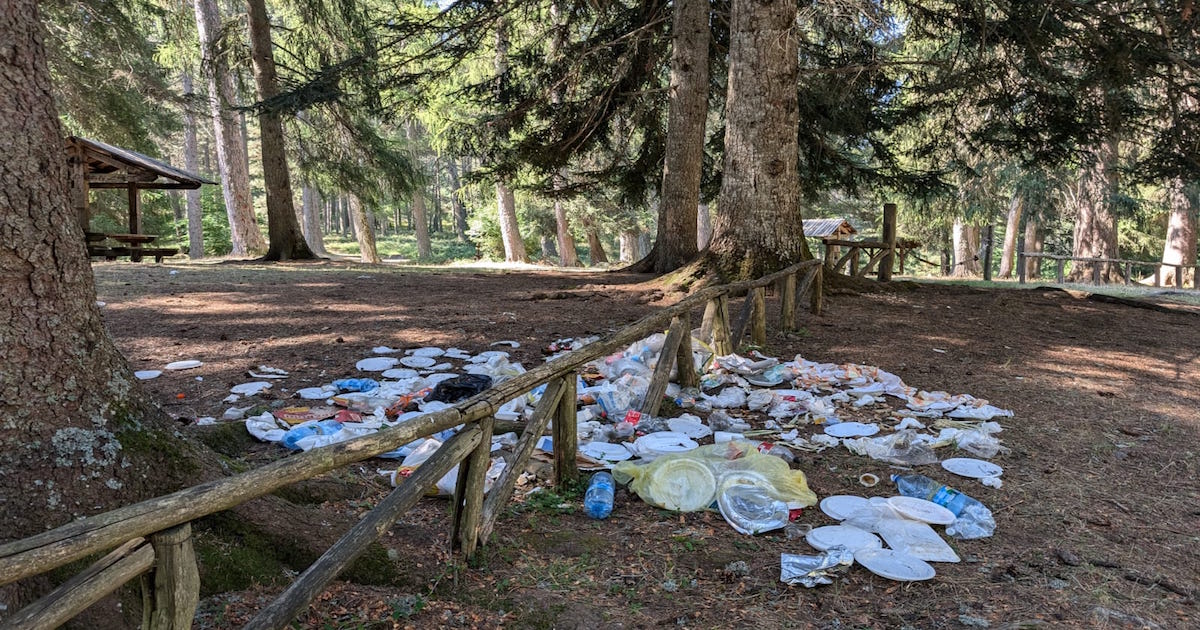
(682, 485)
(764, 380)
(841, 506)
(921, 510)
(313, 393)
(430, 351)
(605, 451)
(691, 428)
(417, 362)
(145, 375)
(375, 364)
(750, 510)
(184, 365)
(399, 373)
(852, 538)
(894, 565)
(973, 468)
(664, 442)
(851, 429)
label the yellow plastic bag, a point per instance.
(686, 482)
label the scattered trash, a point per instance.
(250, 389)
(868, 480)
(749, 509)
(416, 362)
(972, 468)
(355, 385)
(184, 365)
(840, 506)
(145, 375)
(974, 519)
(377, 364)
(456, 388)
(848, 536)
(894, 565)
(298, 415)
(815, 570)
(511, 344)
(266, 371)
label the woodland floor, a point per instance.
(1098, 519)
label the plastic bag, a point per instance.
(460, 387)
(689, 481)
(905, 448)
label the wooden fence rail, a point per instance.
(171, 593)
(1125, 265)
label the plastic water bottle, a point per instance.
(778, 450)
(297, 433)
(355, 384)
(598, 501)
(974, 520)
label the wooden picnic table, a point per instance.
(131, 245)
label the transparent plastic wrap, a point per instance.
(691, 480)
(815, 570)
(905, 448)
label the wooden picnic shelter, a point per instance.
(834, 235)
(96, 165)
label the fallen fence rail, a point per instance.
(172, 592)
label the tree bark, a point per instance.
(595, 246)
(675, 244)
(966, 245)
(568, 255)
(77, 434)
(703, 226)
(456, 203)
(549, 250)
(420, 218)
(510, 232)
(1180, 246)
(1034, 241)
(759, 228)
(628, 241)
(362, 230)
(231, 156)
(1096, 221)
(1012, 225)
(195, 213)
(285, 236)
(310, 209)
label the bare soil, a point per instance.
(1098, 519)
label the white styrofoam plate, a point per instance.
(973, 468)
(894, 565)
(840, 506)
(376, 364)
(418, 362)
(184, 365)
(921, 510)
(852, 538)
(851, 429)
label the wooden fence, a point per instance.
(152, 540)
(1097, 265)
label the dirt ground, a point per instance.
(1098, 518)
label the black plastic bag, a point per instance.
(455, 389)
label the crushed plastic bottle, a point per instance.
(598, 501)
(778, 450)
(974, 520)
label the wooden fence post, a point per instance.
(662, 370)
(1096, 271)
(1179, 276)
(566, 434)
(468, 494)
(1058, 271)
(1020, 260)
(1128, 273)
(721, 342)
(743, 321)
(787, 304)
(988, 235)
(889, 241)
(176, 581)
(685, 362)
(758, 317)
(494, 502)
(817, 304)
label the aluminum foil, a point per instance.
(814, 570)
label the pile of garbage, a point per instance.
(753, 413)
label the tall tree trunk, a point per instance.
(703, 226)
(194, 211)
(676, 241)
(72, 415)
(1034, 242)
(456, 202)
(1096, 222)
(549, 251)
(510, 233)
(231, 157)
(1180, 246)
(285, 236)
(628, 241)
(568, 256)
(362, 230)
(1012, 225)
(596, 246)
(310, 204)
(759, 228)
(966, 249)
(420, 220)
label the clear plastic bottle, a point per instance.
(598, 501)
(974, 520)
(778, 450)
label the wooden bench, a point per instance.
(131, 245)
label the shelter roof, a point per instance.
(821, 228)
(106, 166)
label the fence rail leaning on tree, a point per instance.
(152, 541)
